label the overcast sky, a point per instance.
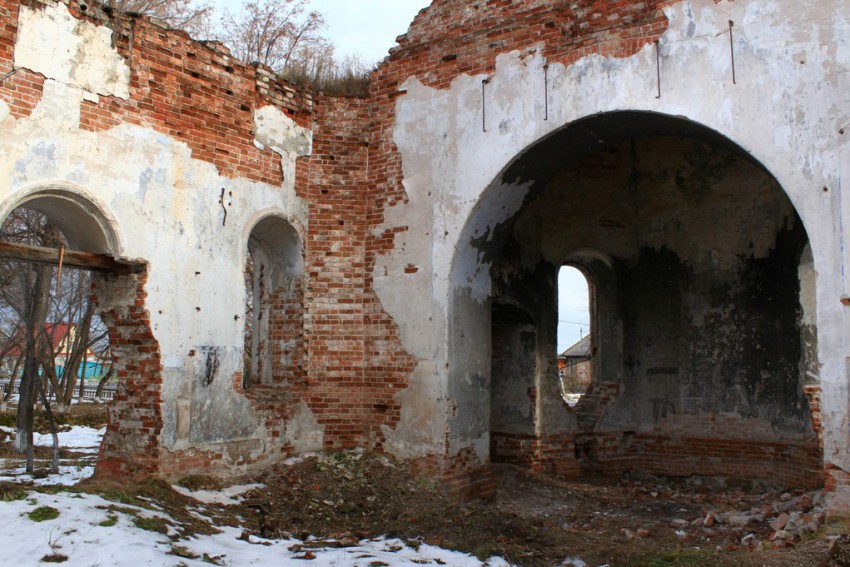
(367, 28)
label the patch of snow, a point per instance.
(79, 438)
(226, 496)
(78, 533)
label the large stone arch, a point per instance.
(491, 263)
(83, 219)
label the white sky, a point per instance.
(573, 316)
(367, 28)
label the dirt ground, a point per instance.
(534, 519)
(538, 520)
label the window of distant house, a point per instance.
(574, 334)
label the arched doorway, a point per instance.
(77, 234)
(703, 300)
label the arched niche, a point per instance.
(274, 280)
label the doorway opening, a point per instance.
(59, 291)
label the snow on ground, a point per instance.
(80, 439)
(84, 440)
(89, 530)
(88, 533)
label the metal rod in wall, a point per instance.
(732, 50)
(546, 92)
(484, 105)
(658, 67)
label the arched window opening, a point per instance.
(575, 334)
(273, 304)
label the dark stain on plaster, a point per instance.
(211, 365)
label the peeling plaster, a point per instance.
(303, 431)
(59, 46)
(275, 130)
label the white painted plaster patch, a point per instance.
(275, 130)
(57, 45)
(422, 425)
(304, 431)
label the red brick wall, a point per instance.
(334, 318)
(286, 334)
(131, 444)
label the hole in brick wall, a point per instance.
(71, 356)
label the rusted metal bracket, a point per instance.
(224, 206)
(70, 258)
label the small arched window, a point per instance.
(575, 333)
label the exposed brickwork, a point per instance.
(286, 334)
(594, 402)
(131, 444)
(194, 92)
(813, 395)
(513, 448)
(787, 464)
(356, 363)
(22, 89)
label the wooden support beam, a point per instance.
(71, 259)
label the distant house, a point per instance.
(61, 337)
(574, 372)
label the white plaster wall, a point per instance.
(163, 204)
(787, 109)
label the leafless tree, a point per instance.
(274, 33)
(189, 15)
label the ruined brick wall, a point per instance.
(131, 444)
(191, 91)
(450, 39)
(334, 318)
